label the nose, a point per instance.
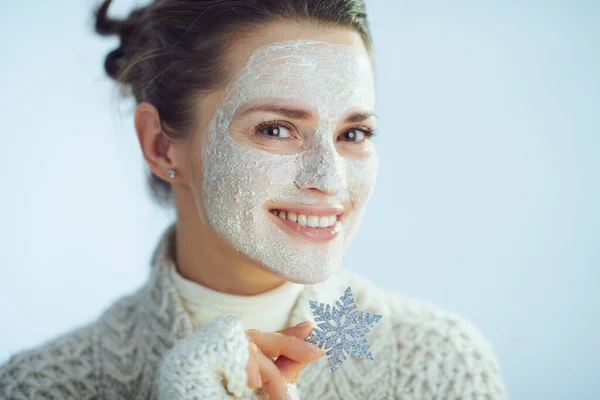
(323, 170)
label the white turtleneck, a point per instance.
(267, 312)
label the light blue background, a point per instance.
(487, 200)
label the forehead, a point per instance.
(323, 75)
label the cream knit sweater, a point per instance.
(421, 352)
(204, 304)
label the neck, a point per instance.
(203, 257)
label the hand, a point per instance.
(293, 354)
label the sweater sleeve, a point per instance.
(61, 369)
(209, 364)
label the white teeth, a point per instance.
(324, 222)
(312, 221)
(302, 219)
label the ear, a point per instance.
(154, 142)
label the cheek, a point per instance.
(362, 175)
(197, 180)
(243, 178)
(280, 174)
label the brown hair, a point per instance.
(171, 51)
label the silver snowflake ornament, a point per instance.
(341, 330)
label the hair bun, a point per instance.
(106, 26)
(117, 59)
(115, 62)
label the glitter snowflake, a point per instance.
(341, 330)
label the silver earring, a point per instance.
(172, 173)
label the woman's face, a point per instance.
(287, 163)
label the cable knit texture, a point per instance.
(197, 366)
(421, 351)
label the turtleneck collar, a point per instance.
(268, 311)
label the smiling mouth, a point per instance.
(309, 226)
(312, 221)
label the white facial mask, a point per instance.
(238, 180)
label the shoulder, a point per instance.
(61, 368)
(436, 352)
(69, 366)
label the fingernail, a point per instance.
(314, 348)
(303, 324)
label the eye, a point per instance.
(356, 135)
(275, 131)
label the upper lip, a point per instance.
(310, 209)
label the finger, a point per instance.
(252, 367)
(273, 381)
(290, 369)
(301, 331)
(273, 344)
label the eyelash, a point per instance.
(272, 124)
(368, 132)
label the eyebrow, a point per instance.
(360, 116)
(293, 113)
(298, 113)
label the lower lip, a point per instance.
(315, 234)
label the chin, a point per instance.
(307, 276)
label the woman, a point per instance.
(255, 117)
